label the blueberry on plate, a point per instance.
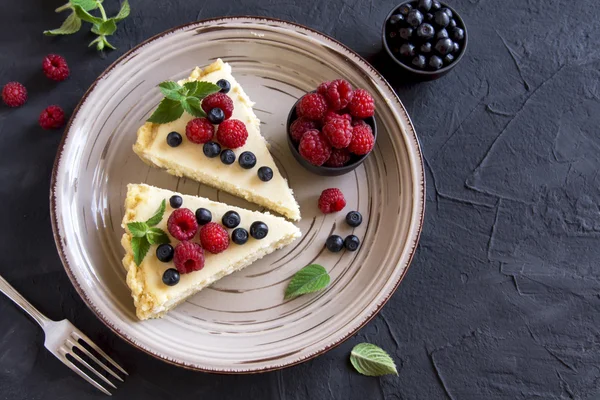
(419, 61)
(396, 19)
(227, 156)
(452, 23)
(444, 46)
(435, 5)
(448, 59)
(203, 216)
(435, 62)
(334, 243)
(441, 34)
(405, 32)
(239, 236)
(425, 48)
(458, 34)
(425, 31)
(404, 9)
(441, 18)
(407, 50)
(224, 85)
(174, 139)
(414, 18)
(211, 149)
(265, 174)
(351, 242)
(175, 201)
(424, 5)
(171, 277)
(231, 219)
(165, 252)
(354, 219)
(247, 160)
(216, 116)
(259, 230)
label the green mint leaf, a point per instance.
(309, 279)
(105, 28)
(106, 44)
(140, 247)
(170, 85)
(98, 42)
(201, 89)
(171, 90)
(157, 236)
(71, 25)
(158, 214)
(168, 110)
(87, 5)
(371, 360)
(123, 12)
(192, 106)
(86, 16)
(137, 229)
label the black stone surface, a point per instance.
(502, 300)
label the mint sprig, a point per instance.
(309, 279)
(102, 26)
(371, 360)
(180, 98)
(145, 234)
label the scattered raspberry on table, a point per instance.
(55, 67)
(53, 117)
(14, 94)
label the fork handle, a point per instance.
(19, 300)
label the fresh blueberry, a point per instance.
(203, 216)
(456, 48)
(334, 243)
(211, 149)
(231, 219)
(407, 50)
(175, 201)
(452, 23)
(247, 160)
(441, 18)
(404, 9)
(425, 48)
(448, 11)
(435, 62)
(259, 230)
(216, 116)
(396, 19)
(441, 34)
(435, 5)
(239, 236)
(354, 218)
(448, 59)
(174, 139)
(414, 18)
(424, 5)
(265, 174)
(227, 157)
(419, 61)
(170, 277)
(444, 46)
(165, 252)
(425, 31)
(405, 33)
(458, 34)
(224, 85)
(351, 243)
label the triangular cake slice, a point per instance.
(153, 298)
(188, 159)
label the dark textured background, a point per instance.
(502, 300)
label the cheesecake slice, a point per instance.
(153, 298)
(188, 159)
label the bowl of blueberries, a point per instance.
(427, 38)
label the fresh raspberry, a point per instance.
(299, 126)
(214, 238)
(220, 100)
(339, 94)
(332, 115)
(182, 224)
(339, 132)
(232, 133)
(331, 200)
(362, 140)
(362, 104)
(356, 122)
(312, 106)
(322, 88)
(338, 158)
(314, 147)
(188, 257)
(14, 94)
(53, 117)
(199, 130)
(55, 67)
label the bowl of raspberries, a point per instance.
(332, 130)
(425, 37)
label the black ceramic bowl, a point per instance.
(355, 161)
(391, 44)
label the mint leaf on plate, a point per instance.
(137, 229)
(157, 236)
(139, 246)
(371, 360)
(168, 110)
(309, 279)
(201, 89)
(171, 90)
(71, 25)
(158, 214)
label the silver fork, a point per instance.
(62, 337)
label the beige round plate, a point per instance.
(241, 324)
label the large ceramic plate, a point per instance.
(240, 324)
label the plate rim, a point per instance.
(230, 19)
